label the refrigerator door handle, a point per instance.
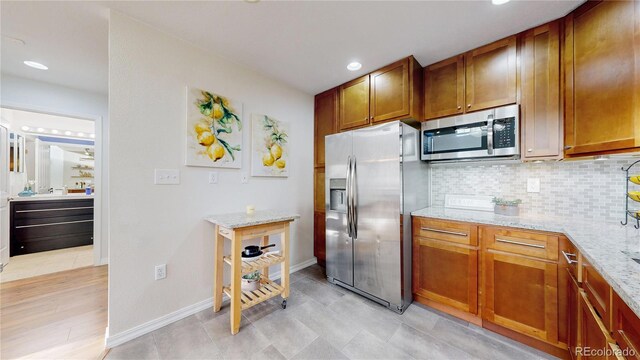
(354, 199)
(348, 191)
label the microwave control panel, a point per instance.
(504, 133)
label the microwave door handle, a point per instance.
(490, 134)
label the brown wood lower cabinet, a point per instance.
(573, 314)
(319, 237)
(626, 328)
(521, 294)
(447, 273)
(593, 335)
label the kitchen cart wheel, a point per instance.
(284, 303)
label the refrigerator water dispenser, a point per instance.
(338, 195)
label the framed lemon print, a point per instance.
(214, 130)
(269, 146)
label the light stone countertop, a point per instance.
(605, 245)
(45, 197)
(238, 220)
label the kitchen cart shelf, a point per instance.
(237, 228)
(264, 262)
(267, 290)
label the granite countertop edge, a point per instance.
(240, 220)
(610, 260)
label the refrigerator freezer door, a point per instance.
(377, 248)
(339, 246)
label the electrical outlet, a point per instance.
(213, 177)
(161, 271)
(533, 185)
(244, 178)
(166, 177)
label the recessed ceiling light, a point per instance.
(354, 66)
(93, 136)
(40, 130)
(67, 132)
(25, 128)
(252, 1)
(499, 2)
(36, 65)
(54, 131)
(81, 134)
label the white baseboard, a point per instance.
(155, 324)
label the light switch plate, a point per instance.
(244, 178)
(213, 177)
(533, 185)
(166, 177)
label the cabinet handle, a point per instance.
(519, 243)
(529, 150)
(52, 224)
(568, 147)
(566, 256)
(444, 231)
(469, 106)
(459, 107)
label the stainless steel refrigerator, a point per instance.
(374, 180)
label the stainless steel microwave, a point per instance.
(484, 134)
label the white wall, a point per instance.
(155, 224)
(27, 94)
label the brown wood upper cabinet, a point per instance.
(480, 79)
(602, 77)
(393, 92)
(326, 118)
(490, 78)
(540, 103)
(444, 88)
(354, 103)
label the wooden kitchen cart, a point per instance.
(238, 228)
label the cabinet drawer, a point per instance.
(597, 291)
(626, 328)
(526, 243)
(452, 231)
(594, 335)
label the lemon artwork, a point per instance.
(216, 132)
(269, 146)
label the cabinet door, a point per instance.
(602, 59)
(573, 315)
(447, 273)
(318, 189)
(598, 291)
(626, 328)
(491, 75)
(444, 88)
(521, 294)
(540, 65)
(594, 336)
(326, 118)
(390, 92)
(354, 103)
(319, 240)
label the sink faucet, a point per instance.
(51, 190)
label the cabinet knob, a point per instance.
(568, 147)
(371, 118)
(366, 118)
(529, 150)
(468, 106)
(459, 107)
(22, 247)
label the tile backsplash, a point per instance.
(571, 189)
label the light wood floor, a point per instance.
(55, 316)
(47, 262)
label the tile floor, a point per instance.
(323, 321)
(47, 262)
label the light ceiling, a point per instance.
(306, 44)
(17, 119)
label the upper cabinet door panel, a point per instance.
(603, 77)
(491, 75)
(326, 118)
(444, 88)
(354, 103)
(390, 92)
(540, 65)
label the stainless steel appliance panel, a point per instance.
(377, 197)
(339, 245)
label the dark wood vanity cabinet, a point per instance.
(42, 225)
